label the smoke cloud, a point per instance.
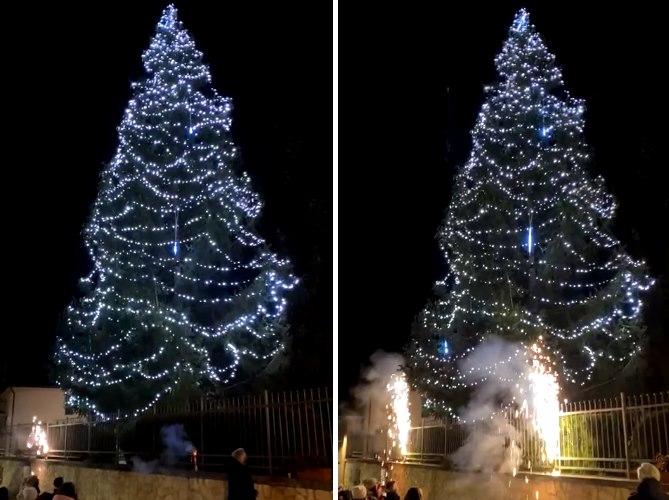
(176, 443)
(500, 371)
(371, 394)
(176, 446)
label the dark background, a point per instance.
(67, 75)
(413, 76)
(68, 68)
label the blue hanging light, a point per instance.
(175, 246)
(443, 348)
(545, 132)
(530, 236)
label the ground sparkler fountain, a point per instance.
(399, 420)
(543, 410)
(37, 439)
(399, 416)
(540, 409)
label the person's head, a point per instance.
(4, 493)
(390, 486)
(359, 492)
(57, 483)
(345, 495)
(648, 471)
(33, 481)
(414, 494)
(369, 483)
(240, 455)
(67, 489)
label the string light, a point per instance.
(567, 278)
(182, 286)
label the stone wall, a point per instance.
(12, 473)
(439, 484)
(107, 484)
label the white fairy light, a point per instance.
(515, 280)
(177, 264)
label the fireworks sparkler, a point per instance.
(37, 438)
(399, 417)
(543, 407)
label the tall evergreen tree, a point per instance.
(183, 289)
(527, 239)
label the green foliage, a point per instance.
(577, 439)
(184, 293)
(528, 239)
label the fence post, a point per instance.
(269, 435)
(367, 433)
(342, 459)
(422, 439)
(66, 426)
(88, 436)
(445, 437)
(627, 458)
(153, 431)
(117, 448)
(201, 450)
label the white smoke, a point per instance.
(176, 447)
(152, 467)
(372, 394)
(499, 371)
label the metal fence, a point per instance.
(601, 437)
(614, 435)
(281, 432)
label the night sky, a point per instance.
(410, 81)
(67, 79)
(403, 64)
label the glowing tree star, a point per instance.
(183, 290)
(527, 239)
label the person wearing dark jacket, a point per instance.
(649, 484)
(391, 491)
(240, 483)
(370, 484)
(57, 483)
(414, 494)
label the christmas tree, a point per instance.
(183, 290)
(527, 239)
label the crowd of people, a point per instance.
(649, 488)
(30, 490)
(240, 484)
(371, 489)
